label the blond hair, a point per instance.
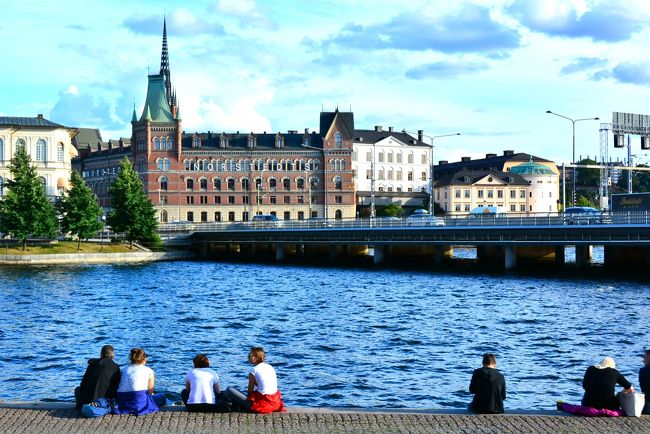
(607, 362)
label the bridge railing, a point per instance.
(510, 219)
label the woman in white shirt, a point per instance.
(135, 392)
(202, 389)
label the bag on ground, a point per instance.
(632, 403)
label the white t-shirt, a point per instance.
(202, 381)
(135, 378)
(267, 381)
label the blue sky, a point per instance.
(487, 69)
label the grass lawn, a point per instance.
(65, 247)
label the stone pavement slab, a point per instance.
(62, 418)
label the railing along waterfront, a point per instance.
(510, 220)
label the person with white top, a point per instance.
(135, 394)
(202, 389)
(263, 394)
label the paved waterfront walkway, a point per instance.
(62, 418)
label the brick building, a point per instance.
(205, 177)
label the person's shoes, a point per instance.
(558, 405)
(178, 403)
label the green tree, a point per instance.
(584, 201)
(79, 210)
(392, 210)
(640, 180)
(133, 212)
(25, 210)
(588, 177)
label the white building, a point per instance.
(397, 163)
(543, 186)
(48, 144)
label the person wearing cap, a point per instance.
(488, 386)
(600, 381)
(644, 381)
(101, 379)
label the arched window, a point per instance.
(141, 165)
(163, 143)
(224, 142)
(164, 217)
(338, 139)
(251, 142)
(230, 165)
(333, 164)
(156, 144)
(60, 152)
(314, 183)
(189, 184)
(300, 183)
(231, 183)
(187, 164)
(192, 165)
(278, 142)
(163, 182)
(196, 142)
(199, 165)
(289, 165)
(338, 215)
(203, 183)
(167, 164)
(170, 143)
(273, 184)
(306, 142)
(20, 144)
(41, 150)
(216, 182)
(160, 164)
(258, 183)
(244, 184)
(2, 149)
(286, 184)
(338, 183)
(342, 165)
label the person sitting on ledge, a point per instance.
(135, 393)
(644, 381)
(263, 393)
(101, 379)
(202, 389)
(599, 383)
(488, 386)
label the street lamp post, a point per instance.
(324, 176)
(372, 183)
(101, 234)
(573, 155)
(431, 182)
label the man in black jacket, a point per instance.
(488, 387)
(644, 381)
(101, 379)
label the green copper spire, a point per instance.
(134, 118)
(156, 106)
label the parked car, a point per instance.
(582, 215)
(424, 219)
(266, 221)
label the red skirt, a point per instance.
(266, 403)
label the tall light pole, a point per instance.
(573, 155)
(372, 182)
(431, 182)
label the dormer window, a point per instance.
(489, 179)
(338, 140)
(251, 142)
(511, 179)
(466, 179)
(278, 142)
(223, 142)
(306, 141)
(196, 142)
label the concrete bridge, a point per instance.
(503, 241)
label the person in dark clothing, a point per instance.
(488, 386)
(644, 381)
(599, 383)
(101, 379)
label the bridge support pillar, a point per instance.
(443, 253)
(380, 254)
(489, 254)
(300, 250)
(333, 254)
(559, 255)
(583, 256)
(627, 256)
(280, 253)
(510, 257)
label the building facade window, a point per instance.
(338, 183)
(338, 140)
(164, 183)
(41, 150)
(60, 152)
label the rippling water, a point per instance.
(337, 337)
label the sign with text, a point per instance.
(630, 122)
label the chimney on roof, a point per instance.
(40, 116)
(441, 162)
(390, 129)
(292, 132)
(378, 128)
(490, 155)
(465, 159)
(306, 130)
(421, 135)
(508, 152)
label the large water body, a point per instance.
(361, 337)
